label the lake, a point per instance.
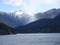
(31, 39)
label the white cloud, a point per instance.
(13, 2)
(31, 6)
(51, 1)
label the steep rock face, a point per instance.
(5, 30)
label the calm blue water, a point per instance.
(31, 39)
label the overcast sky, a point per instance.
(33, 6)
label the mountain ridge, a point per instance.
(14, 20)
(41, 26)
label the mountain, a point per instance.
(5, 30)
(17, 18)
(52, 13)
(48, 22)
(41, 26)
(20, 18)
(24, 23)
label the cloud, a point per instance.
(31, 6)
(51, 2)
(34, 5)
(13, 2)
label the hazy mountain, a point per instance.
(19, 18)
(16, 18)
(40, 22)
(48, 22)
(41, 26)
(52, 13)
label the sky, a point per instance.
(29, 6)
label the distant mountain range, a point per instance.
(19, 18)
(52, 13)
(14, 19)
(41, 26)
(46, 22)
